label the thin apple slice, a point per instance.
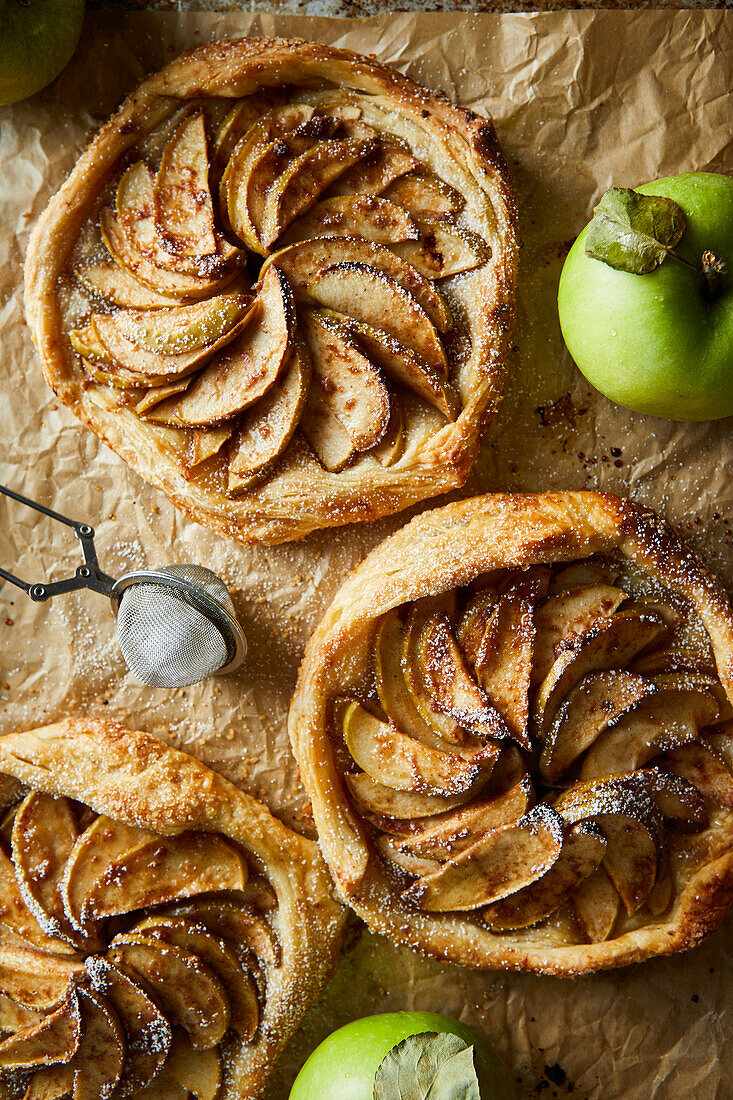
(609, 643)
(443, 725)
(325, 433)
(304, 262)
(207, 442)
(184, 211)
(426, 197)
(267, 427)
(156, 394)
(246, 372)
(579, 573)
(566, 616)
(582, 851)
(596, 905)
(163, 870)
(595, 704)
(668, 718)
(197, 1071)
(163, 1088)
(504, 660)
(660, 897)
(221, 960)
(13, 1016)
(54, 1040)
(36, 980)
(354, 216)
(443, 837)
(86, 343)
(147, 1031)
(391, 446)
(382, 801)
(474, 622)
(16, 915)
(45, 830)
(304, 179)
(677, 798)
(174, 330)
(101, 1054)
(407, 861)
(443, 250)
(187, 990)
(499, 864)
(705, 770)
(373, 176)
(243, 115)
(404, 366)
(50, 1083)
(453, 691)
(99, 847)
(350, 384)
(114, 284)
(392, 758)
(234, 922)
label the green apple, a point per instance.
(343, 1067)
(662, 342)
(37, 39)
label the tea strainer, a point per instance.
(176, 625)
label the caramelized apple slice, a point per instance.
(453, 690)
(116, 285)
(426, 197)
(304, 262)
(705, 770)
(232, 921)
(443, 725)
(303, 180)
(148, 1033)
(174, 330)
(207, 442)
(404, 366)
(187, 990)
(325, 433)
(474, 622)
(675, 797)
(403, 858)
(391, 446)
(244, 114)
(578, 573)
(350, 384)
(392, 758)
(443, 250)
(267, 427)
(596, 904)
(373, 176)
(44, 833)
(567, 615)
(599, 700)
(246, 372)
(13, 1016)
(156, 394)
(220, 959)
(665, 720)
(101, 1054)
(499, 864)
(35, 980)
(55, 1039)
(163, 1088)
(164, 870)
(50, 1083)
(355, 216)
(16, 916)
(610, 643)
(184, 211)
(383, 801)
(197, 1071)
(583, 847)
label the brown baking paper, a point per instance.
(581, 101)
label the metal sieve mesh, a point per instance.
(166, 640)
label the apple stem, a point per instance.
(711, 266)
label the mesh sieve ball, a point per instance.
(177, 625)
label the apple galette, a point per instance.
(161, 934)
(515, 727)
(279, 283)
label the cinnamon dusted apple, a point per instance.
(280, 284)
(160, 933)
(516, 730)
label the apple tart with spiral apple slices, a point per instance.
(515, 727)
(279, 283)
(161, 934)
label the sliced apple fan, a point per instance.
(126, 957)
(535, 745)
(354, 232)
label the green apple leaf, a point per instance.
(430, 1066)
(634, 232)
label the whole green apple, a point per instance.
(662, 342)
(343, 1067)
(37, 40)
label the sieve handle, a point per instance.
(88, 575)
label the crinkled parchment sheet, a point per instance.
(581, 101)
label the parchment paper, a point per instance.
(581, 101)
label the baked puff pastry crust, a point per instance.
(280, 284)
(514, 724)
(161, 934)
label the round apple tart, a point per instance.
(161, 935)
(279, 283)
(515, 728)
